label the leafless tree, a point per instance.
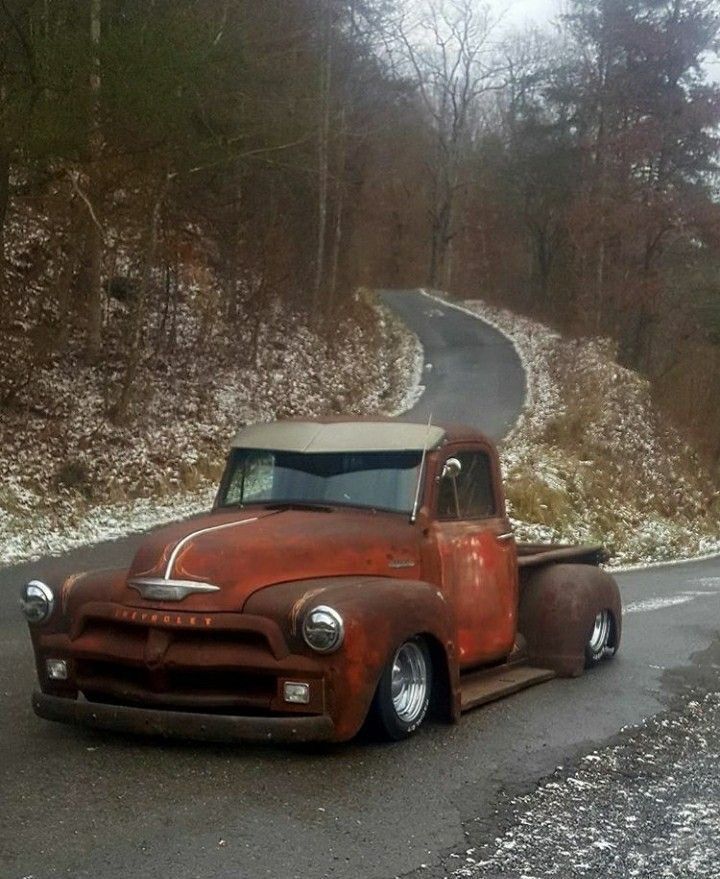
(445, 46)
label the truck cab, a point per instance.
(350, 571)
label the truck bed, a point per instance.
(533, 554)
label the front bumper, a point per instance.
(183, 724)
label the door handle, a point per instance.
(508, 535)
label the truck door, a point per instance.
(478, 557)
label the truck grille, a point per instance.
(187, 688)
(194, 670)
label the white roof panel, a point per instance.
(339, 436)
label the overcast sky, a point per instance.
(521, 13)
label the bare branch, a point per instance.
(260, 151)
(74, 177)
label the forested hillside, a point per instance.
(174, 157)
(174, 175)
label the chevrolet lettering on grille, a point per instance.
(164, 619)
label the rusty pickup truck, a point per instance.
(351, 571)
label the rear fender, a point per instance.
(558, 605)
(379, 614)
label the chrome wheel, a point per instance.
(600, 636)
(409, 682)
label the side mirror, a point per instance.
(452, 469)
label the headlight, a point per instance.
(323, 629)
(37, 601)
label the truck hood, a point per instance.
(242, 552)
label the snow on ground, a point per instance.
(69, 478)
(648, 807)
(591, 461)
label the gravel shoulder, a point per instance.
(647, 806)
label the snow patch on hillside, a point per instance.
(68, 477)
(591, 461)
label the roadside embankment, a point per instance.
(69, 476)
(591, 460)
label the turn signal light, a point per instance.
(56, 669)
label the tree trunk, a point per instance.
(259, 297)
(544, 253)
(339, 209)
(134, 347)
(443, 242)
(175, 295)
(93, 340)
(64, 285)
(323, 149)
(441, 264)
(599, 186)
(162, 328)
(600, 276)
(94, 255)
(397, 247)
(4, 204)
(448, 267)
(230, 289)
(434, 247)
(436, 227)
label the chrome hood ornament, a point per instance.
(166, 588)
(160, 589)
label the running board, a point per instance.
(479, 687)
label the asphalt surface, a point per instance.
(80, 804)
(472, 373)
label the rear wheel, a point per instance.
(601, 638)
(403, 693)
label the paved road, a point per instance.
(472, 372)
(80, 804)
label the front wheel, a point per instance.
(403, 693)
(600, 642)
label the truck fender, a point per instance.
(558, 606)
(379, 614)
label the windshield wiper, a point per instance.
(299, 505)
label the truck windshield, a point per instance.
(379, 480)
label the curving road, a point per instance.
(472, 372)
(79, 804)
